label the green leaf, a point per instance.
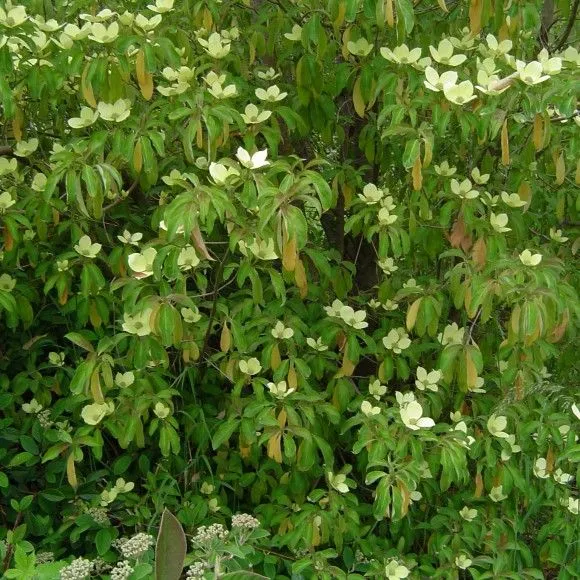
(405, 11)
(170, 549)
(80, 340)
(81, 377)
(224, 432)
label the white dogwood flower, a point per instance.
(412, 416)
(529, 259)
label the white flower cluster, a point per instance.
(99, 514)
(78, 569)
(206, 534)
(137, 545)
(353, 318)
(245, 521)
(121, 571)
(196, 570)
(44, 557)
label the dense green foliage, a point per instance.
(311, 262)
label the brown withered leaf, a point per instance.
(458, 237)
(479, 253)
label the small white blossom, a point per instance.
(85, 247)
(557, 236)
(468, 514)
(496, 425)
(187, 259)
(250, 367)
(377, 390)
(142, 262)
(499, 222)
(129, 238)
(452, 334)
(116, 112)
(496, 494)
(464, 190)
(280, 390)
(512, 199)
(462, 561)
(396, 571)
(338, 482)
(139, 324)
(316, 344)
(368, 409)
(401, 54)
(412, 417)
(397, 340)
(353, 318)
(255, 161)
(124, 380)
(271, 94)
(427, 380)
(282, 332)
(435, 82)
(444, 54)
(529, 259)
(371, 194)
(445, 170)
(388, 266)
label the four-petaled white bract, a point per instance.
(254, 161)
(354, 318)
(279, 390)
(376, 389)
(368, 409)
(496, 494)
(401, 54)
(360, 47)
(216, 46)
(529, 259)
(142, 262)
(94, 413)
(117, 111)
(220, 173)
(124, 380)
(187, 258)
(86, 248)
(316, 344)
(338, 482)
(468, 514)
(87, 117)
(412, 416)
(444, 54)
(499, 222)
(371, 194)
(161, 410)
(512, 199)
(496, 425)
(459, 94)
(272, 94)
(435, 82)
(396, 571)
(280, 331)
(427, 380)
(252, 115)
(138, 324)
(251, 366)
(462, 561)
(541, 468)
(451, 334)
(397, 340)
(104, 34)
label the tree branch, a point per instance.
(571, 20)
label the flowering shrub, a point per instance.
(310, 261)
